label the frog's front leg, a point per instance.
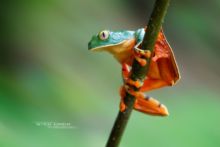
(140, 54)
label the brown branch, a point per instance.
(138, 72)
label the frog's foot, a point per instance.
(129, 84)
(136, 94)
(139, 54)
(150, 106)
(127, 88)
(136, 84)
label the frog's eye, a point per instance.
(103, 35)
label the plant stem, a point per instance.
(138, 72)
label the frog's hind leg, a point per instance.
(147, 105)
(160, 75)
(163, 69)
(150, 106)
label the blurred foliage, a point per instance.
(47, 74)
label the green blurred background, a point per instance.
(47, 75)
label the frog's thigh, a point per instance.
(166, 70)
(151, 84)
(159, 75)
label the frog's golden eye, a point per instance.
(103, 35)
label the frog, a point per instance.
(125, 46)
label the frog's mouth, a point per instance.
(121, 51)
(105, 47)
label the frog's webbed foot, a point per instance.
(139, 54)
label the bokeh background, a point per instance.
(47, 75)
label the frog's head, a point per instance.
(117, 43)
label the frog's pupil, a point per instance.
(103, 34)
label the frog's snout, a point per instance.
(89, 45)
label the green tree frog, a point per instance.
(125, 47)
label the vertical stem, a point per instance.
(120, 123)
(138, 72)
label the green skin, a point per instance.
(115, 38)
